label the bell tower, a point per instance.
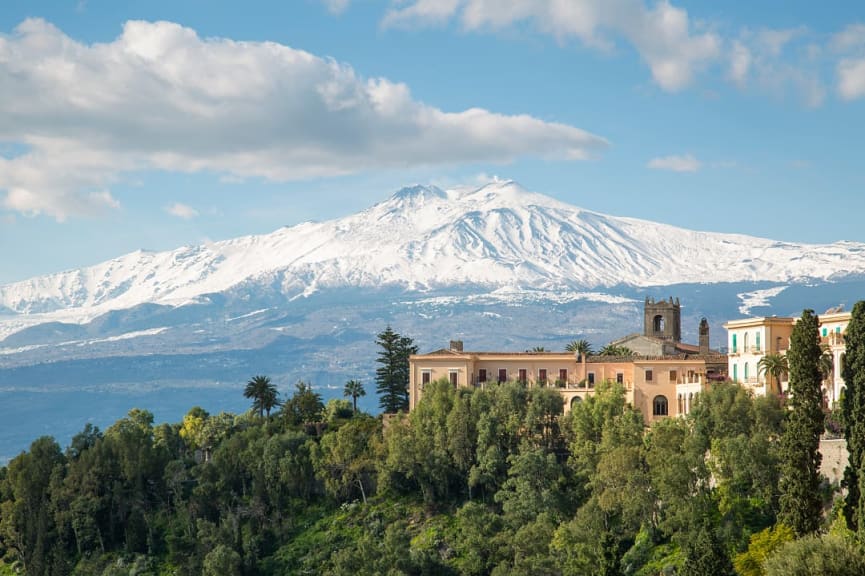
(663, 319)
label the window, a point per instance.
(649, 375)
(522, 374)
(673, 375)
(825, 332)
(425, 377)
(482, 375)
(658, 323)
(575, 400)
(681, 404)
(620, 378)
(591, 379)
(563, 375)
(837, 329)
(735, 372)
(734, 343)
(746, 370)
(542, 377)
(757, 343)
(745, 343)
(659, 406)
(503, 375)
(454, 377)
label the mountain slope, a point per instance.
(425, 238)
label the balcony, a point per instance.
(833, 339)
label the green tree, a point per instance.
(760, 547)
(345, 461)
(853, 414)
(354, 389)
(705, 555)
(304, 406)
(774, 365)
(827, 555)
(392, 376)
(263, 394)
(221, 561)
(801, 504)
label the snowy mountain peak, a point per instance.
(419, 192)
(422, 237)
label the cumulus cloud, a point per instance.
(664, 36)
(684, 163)
(181, 211)
(159, 97)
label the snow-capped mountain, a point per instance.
(497, 266)
(424, 238)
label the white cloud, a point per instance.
(684, 163)
(778, 62)
(740, 63)
(336, 6)
(851, 38)
(182, 211)
(663, 35)
(850, 69)
(851, 78)
(160, 98)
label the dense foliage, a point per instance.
(482, 481)
(474, 481)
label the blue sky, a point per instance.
(151, 124)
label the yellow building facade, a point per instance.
(659, 387)
(751, 339)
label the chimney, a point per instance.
(704, 336)
(456, 346)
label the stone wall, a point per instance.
(834, 459)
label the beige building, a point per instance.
(659, 385)
(750, 339)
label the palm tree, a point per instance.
(582, 348)
(776, 366)
(263, 394)
(537, 349)
(618, 351)
(354, 389)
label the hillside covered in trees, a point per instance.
(474, 481)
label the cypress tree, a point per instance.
(801, 506)
(853, 412)
(391, 378)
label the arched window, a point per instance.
(575, 400)
(681, 404)
(735, 372)
(757, 343)
(690, 400)
(659, 406)
(746, 371)
(658, 325)
(745, 344)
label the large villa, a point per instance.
(661, 377)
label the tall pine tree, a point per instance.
(391, 378)
(853, 413)
(801, 506)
